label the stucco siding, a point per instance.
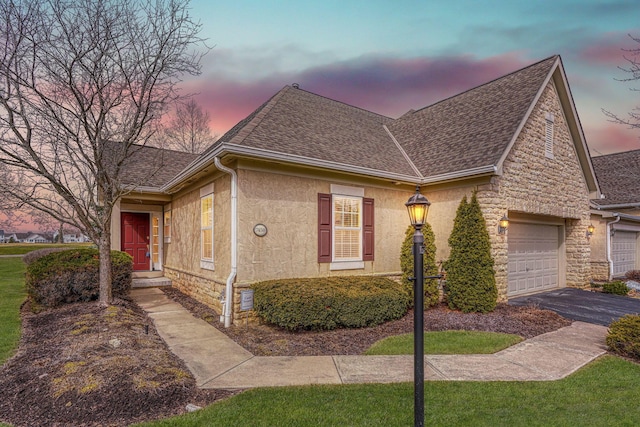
(287, 205)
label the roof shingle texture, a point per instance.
(300, 123)
(619, 178)
(472, 129)
(153, 167)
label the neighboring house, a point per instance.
(307, 186)
(71, 237)
(36, 238)
(616, 215)
(1, 236)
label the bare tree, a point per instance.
(188, 129)
(82, 83)
(632, 56)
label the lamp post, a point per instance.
(418, 206)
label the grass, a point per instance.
(447, 342)
(603, 393)
(13, 293)
(23, 248)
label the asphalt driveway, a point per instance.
(585, 306)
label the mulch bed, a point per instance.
(85, 365)
(268, 340)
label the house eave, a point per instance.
(225, 149)
(463, 174)
(616, 206)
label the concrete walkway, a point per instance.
(216, 361)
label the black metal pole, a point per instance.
(418, 329)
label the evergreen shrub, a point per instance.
(430, 268)
(624, 336)
(330, 302)
(73, 275)
(617, 288)
(470, 285)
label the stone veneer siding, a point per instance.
(533, 184)
(200, 288)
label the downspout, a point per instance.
(227, 304)
(609, 260)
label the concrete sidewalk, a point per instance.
(216, 361)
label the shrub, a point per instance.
(431, 294)
(330, 302)
(618, 288)
(471, 282)
(73, 275)
(633, 275)
(29, 257)
(624, 336)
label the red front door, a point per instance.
(135, 239)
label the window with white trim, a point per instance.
(548, 137)
(347, 228)
(206, 227)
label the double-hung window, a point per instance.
(206, 227)
(345, 228)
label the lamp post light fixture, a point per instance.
(418, 206)
(590, 230)
(503, 225)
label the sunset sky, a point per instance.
(392, 56)
(396, 55)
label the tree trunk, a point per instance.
(104, 246)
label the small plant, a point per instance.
(330, 302)
(617, 288)
(624, 336)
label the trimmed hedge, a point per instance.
(73, 275)
(624, 336)
(30, 257)
(330, 302)
(617, 288)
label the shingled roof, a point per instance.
(305, 125)
(473, 129)
(466, 132)
(466, 135)
(153, 167)
(619, 178)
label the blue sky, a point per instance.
(392, 56)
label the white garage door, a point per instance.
(623, 252)
(533, 258)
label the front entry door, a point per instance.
(135, 239)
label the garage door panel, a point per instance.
(533, 258)
(623, 251)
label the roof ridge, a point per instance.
(482, 85)
(615, 154)
(335, 101)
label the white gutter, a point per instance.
(227, 305)
(609, 260)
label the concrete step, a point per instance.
(154, 282)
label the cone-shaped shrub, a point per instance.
(471, 282)
(431, 295)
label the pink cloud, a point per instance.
(610, 49)
(611, 138)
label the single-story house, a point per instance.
(307, 186)
(615, 215)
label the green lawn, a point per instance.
(605, 393)
(12, 294)
(446, 342)
(23, 248)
